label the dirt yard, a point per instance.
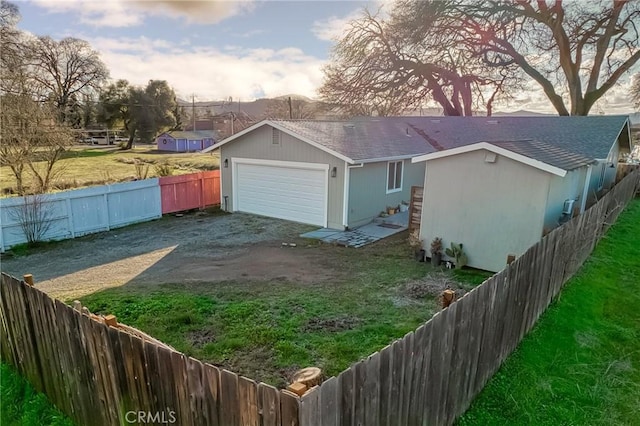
(195, 248)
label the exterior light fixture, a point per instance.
(334, 172)
(226, 163)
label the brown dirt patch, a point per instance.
(200, 338)
(433, 286)
(332, 324)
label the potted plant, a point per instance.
(391, 210)
(416, 244)
(436, 251)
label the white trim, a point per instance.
(279, 163)
(345, 197)
(585, 190)
(284, 164)
(282, 129)
(396, 158)
(496, 149)
(386, 184)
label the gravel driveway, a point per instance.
(197, 247)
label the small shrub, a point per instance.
(142, 169)
(163, 169)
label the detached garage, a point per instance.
(282, 189)
(334, 174)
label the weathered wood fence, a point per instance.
(415, 209)
(432, 374)
(100, 375)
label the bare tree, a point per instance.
(635, 91)
(31, 139)
(390, 64)
(34, 217)
(66, 69)
(576, 51)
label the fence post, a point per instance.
(70, 216)
(28, 278)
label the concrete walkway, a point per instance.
(380, 228)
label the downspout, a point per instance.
(345, 201)
(585, 190)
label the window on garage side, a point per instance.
(275, 137)
(394, 176)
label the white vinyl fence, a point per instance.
(83, 211)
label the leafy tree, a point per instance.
(142, 112)
(386, 65)
(576, 51)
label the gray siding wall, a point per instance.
(258, 144)
(494, 209)
(569, 187)
(368, 190)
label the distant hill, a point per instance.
(262, 108)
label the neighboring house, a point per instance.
(497, 185)
(335, 174)
(181, 141)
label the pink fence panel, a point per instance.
(192, 191)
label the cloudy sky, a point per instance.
(220, 49)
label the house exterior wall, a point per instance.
(368, 190)
(494, 209)
(258, 145)
(569, 187)
(170, 144)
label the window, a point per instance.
(394, 176)
(275, 137)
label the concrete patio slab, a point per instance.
(378, 229)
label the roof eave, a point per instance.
(497, 150)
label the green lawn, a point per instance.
(266, 330)
(88, 166)
(21, 405)
(581, 363)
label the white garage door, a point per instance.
(292, 191)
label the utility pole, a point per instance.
(193, 110)
(290, 109)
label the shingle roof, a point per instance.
(197, 135)
(361, 139)
(546, 153)
(571, 141)
(565, 142)
(590, 136)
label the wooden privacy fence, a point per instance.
(101, 375)
(432, 374)
(192, 191)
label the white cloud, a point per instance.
(212, 73)
(332, 28)
(123, 13)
